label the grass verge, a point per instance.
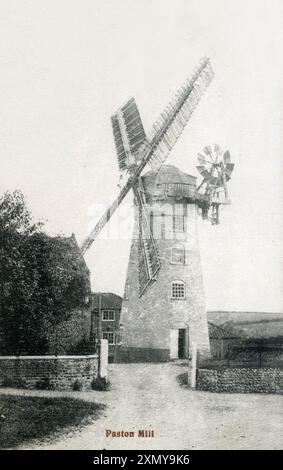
(24, 418)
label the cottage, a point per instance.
(105, 318)
(221, 340)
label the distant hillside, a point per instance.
(251, 324)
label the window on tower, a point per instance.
(179, 218)
(178, 254)
(179, 225)
(177, 290)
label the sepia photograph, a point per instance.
(141, 255)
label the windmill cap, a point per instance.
(168, 174)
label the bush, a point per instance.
(21, 383)
(182, 379)
(100, 384)
(77, 386)
(43, 384)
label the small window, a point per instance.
(108, 315)
(179, 223)
(167, 226)
(180, 213)
(110, 336)
(126, 292)
(178, 290)
(178, 255)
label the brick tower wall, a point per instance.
(147, 320)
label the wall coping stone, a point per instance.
(48, 357)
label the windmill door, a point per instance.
(182, 343)
(178, 343)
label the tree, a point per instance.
(42, 279)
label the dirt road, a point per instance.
(149, 397)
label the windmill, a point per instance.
(135, 151)
(147, 269)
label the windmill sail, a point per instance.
(149, 262)
(105, 217)
(130, 137)
(172, 121)
(128, 133)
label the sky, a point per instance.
(67, 65)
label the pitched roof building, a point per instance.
(105, 318)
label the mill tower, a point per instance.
(161, 316)
(163, 311)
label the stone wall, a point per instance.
(267, 380)
(48, 372)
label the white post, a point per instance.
(103, 359)
(193, 364)
(174, 343)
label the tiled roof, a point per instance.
(218, 332)
(108, 300)
(74, 248)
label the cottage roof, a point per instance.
(108, 300)
(219, 332)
